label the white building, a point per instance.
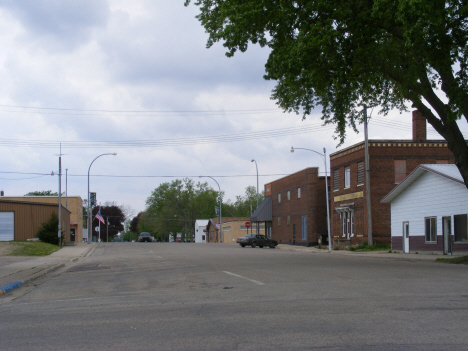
(200, 226)
(429, 211)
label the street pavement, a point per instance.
(16, 271)
(176, 296)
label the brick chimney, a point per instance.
(419, 126)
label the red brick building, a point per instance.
(299, 213)
(390, 161)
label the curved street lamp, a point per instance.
(220, 224)
(324, 155)
(88, 223)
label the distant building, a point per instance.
(429, 211)
(200, 228)
(390, 161)
(232, 228)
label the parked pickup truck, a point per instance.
(254, 240)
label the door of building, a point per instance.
(447, 234)
(304, 228)
(406, 237)
(72, 234)
(7, 226)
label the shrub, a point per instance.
(48, 230)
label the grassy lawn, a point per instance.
(366, 247)
(32, 249)
(454, 260)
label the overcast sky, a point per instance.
(134, 77)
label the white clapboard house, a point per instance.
(429, 211)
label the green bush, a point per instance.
(48, 231)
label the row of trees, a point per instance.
(173, 208)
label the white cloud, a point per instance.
(140, 56)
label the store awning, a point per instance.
(264, 211)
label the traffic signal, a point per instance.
(92, 199)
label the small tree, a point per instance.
(48, 230)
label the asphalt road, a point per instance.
(174, 296)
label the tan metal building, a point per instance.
(73, 203)
(20, 220)
(233, 228)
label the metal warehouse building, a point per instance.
(20, 220)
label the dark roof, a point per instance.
(264, 211)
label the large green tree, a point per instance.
(343, 55)
(113, 218)
(173, 208)
(42, 193)
(244, 204)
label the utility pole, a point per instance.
(66, 188)
(368, 194)
(60, 197)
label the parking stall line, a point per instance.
(240, 276)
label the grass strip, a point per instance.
(454, 260)
(33, 249)
(364, 246)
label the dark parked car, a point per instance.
(256, 240)
(145, 237)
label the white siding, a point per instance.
(200, 225)
(430, 195)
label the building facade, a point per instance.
(429, 211)
(21, 220)
(299, 212)
(390, 161)
(232, 228)
(200, 230)
(73, 203)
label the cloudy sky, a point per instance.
(134, 77)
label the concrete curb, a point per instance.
(5, 290)
(16, 285)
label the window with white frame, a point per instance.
(279, 198)
(431, 229)
(347, 177)
(460, 228)
(347, 224)
(289, 195)
(279, 221)
(298, 193)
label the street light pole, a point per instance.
(220, 215)
(324, 155)
(88, 223)
(256, 167)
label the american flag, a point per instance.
(100, 218)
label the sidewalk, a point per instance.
(378, 254)
(15, 271)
